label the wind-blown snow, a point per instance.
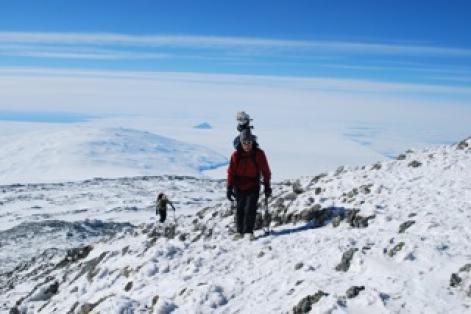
(409, 249)
(81, 152)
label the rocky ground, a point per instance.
(391, 237)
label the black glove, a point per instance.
(267, 190)
(230, 193)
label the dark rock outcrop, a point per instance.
(405, 225)
(346, 260)
(353, 291)
(305, 305)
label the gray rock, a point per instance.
(405, 225)
(355, 220)
(317, 191)
(353, 291)
(297, 188)
(298, 266)
(336, 221)
(305, 305)
(339, 170)
(346, 260)
(128, 286)
(401, 157)
(462, 145)
(318, 177)
(74, 255)
(396, 249)
(291, 196)
(466, 268)
(376, 166)
(365, 189)
(414, 164)
(455, 280)
(310, 213)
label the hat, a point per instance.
(246, 135)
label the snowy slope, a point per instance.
(83, 152)
(392, 237)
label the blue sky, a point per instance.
(401, 50)
(412, 41)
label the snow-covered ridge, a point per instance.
(82, 152)
(391, 237)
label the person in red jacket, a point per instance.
(248, 163)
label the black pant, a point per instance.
(163, 214)
(246, 209)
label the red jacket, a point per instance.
(242, 171)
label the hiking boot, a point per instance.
(251, 236)
(238, 236)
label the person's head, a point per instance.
(161, 195)
(246, 140)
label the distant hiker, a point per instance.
(161, 207)
(248, 163)
(243, 123)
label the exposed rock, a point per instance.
(336, 221)
(89, 267)
(317, 191)
(455, 280)
(86, 308)
(74, 255)
(318, 177)
(14, 310)
(346, 259)
(466, 268)
(310, 213)
(46, 293)
(339, 170)
(414, 164)
(128, 286)
(396, 249)
(376, 166)
(291, 196)
(297, 188)
(355, 220)
(305, 305)
(365, 189)
(405, 225)
(298, 266)
(401, 157)
(353, 291)
(462, 145)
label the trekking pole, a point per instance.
(267, 220)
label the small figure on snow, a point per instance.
(248, 163)
(161, 206)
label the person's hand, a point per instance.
(230, 193)
(267, 190)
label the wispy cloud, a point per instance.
(218, 42)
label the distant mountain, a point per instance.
(79, 152)
(204, 125)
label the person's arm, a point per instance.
(231, 171)
(171, 204)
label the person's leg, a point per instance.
(163, 215)
(251, 211)
(240, 213)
